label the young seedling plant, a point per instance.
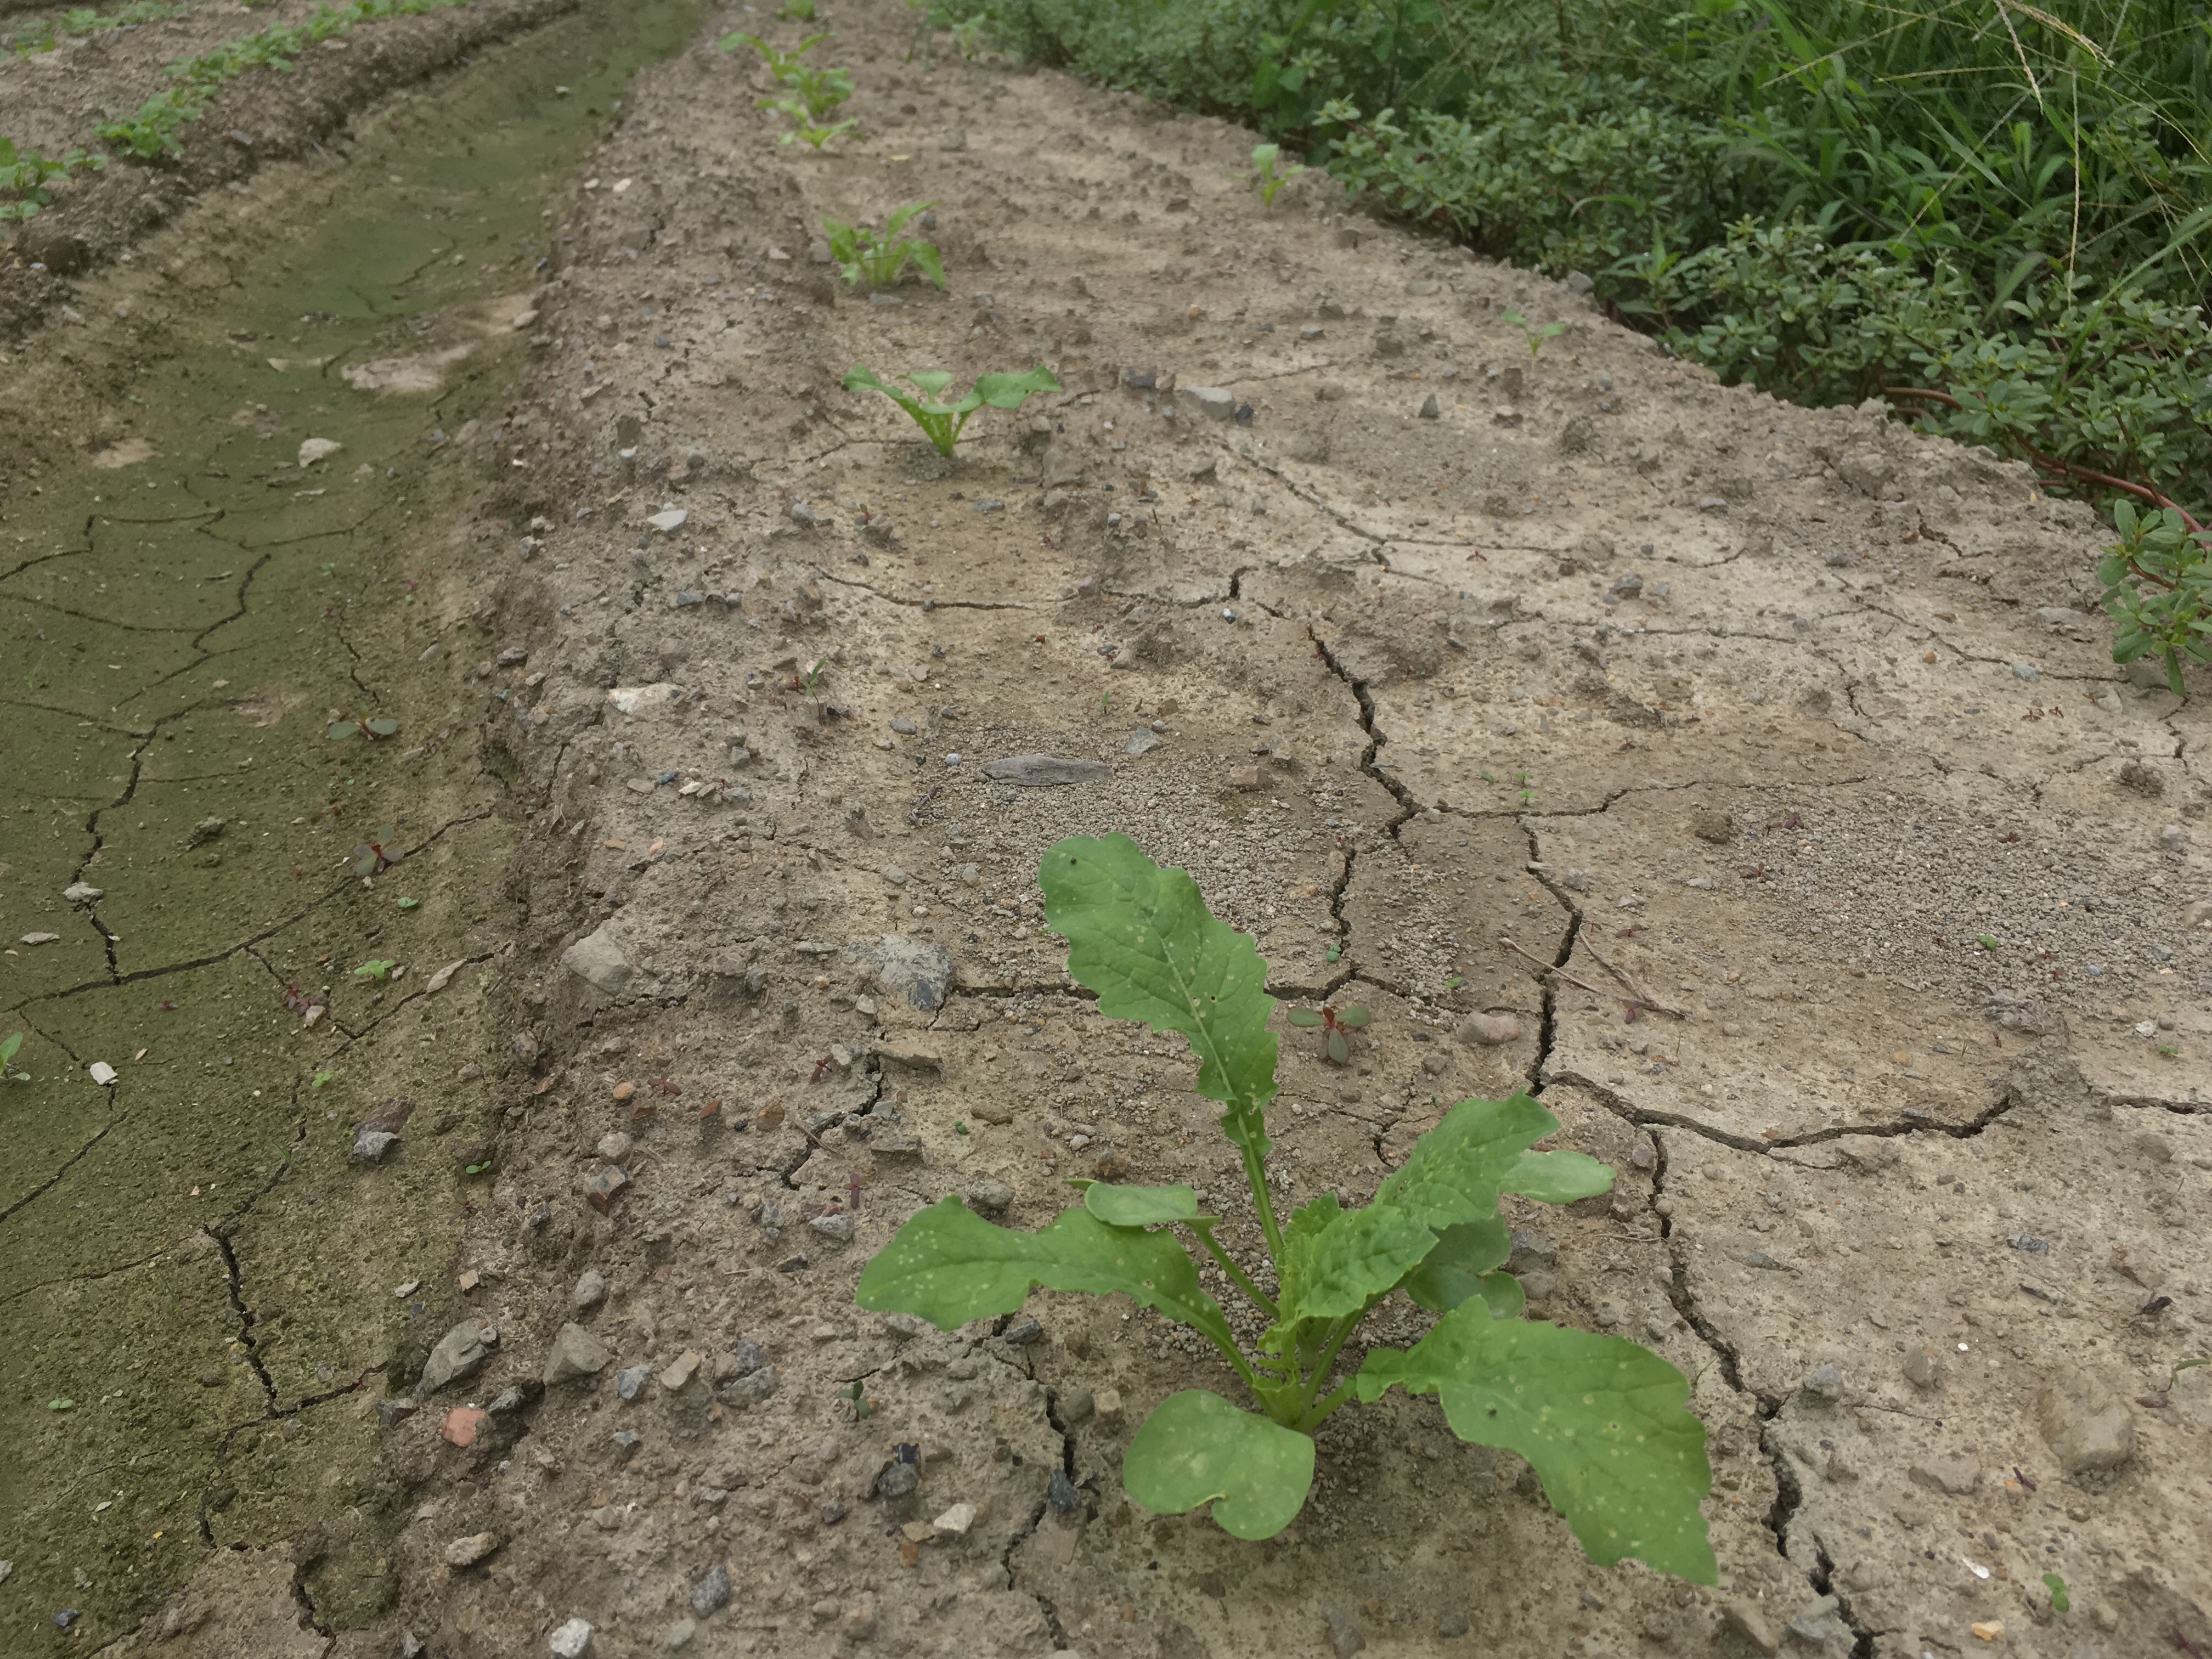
(1536, 336)
(1602, 1421)
(10, 1045)
(942, 422)
(1335, 1024)
(1264, 177)
(373, 729)
(867, 260)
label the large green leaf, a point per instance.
(1358, 1257)
(1197, 1448)
(1140, 1206)
(948, 1265)
(1142, 938)
(1602, 1421)
(1461, 1265)
(1455, 1172)
(1011, 391)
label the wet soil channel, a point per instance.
(290, 479)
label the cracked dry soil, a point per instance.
(1752, 783)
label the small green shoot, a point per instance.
(375, 730)
(320, 1078)
(1604, 1423)
(1264, 177)
(783, 66)
(942, 422)
(61, 1404)
(2059, 1600)
(24, 174)
(411, 904)
(2158, 586)
(958, 1127)
(1988, 941)
(1335, 952)
(867, 260)
(1455, 981)
(857, 1394)
(9, 1046)
(1336, 1026)
(476, 1169)
(379, 968)
(1536, 336)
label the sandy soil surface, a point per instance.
(1754, 783)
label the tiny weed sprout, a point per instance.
(783, 66)
(379, 968)
(320, 1078)
(1603, 1422)
(867, 260)
(1536, 336)
(9, 1046)
(942, 422)
(378, 854)
(1335, 1024)
(2158, 586)
(2060, 1601)
(1264, 177)
(371, 729)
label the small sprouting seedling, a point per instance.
(378, 854)
(2060, 1603)
(815, 93)
(1603, 1422)
(1335, 952)
(1455, 981)
(1987, 941)
(1524, 786)
(9, 1046)
(856, 1395)
(806, 131)
(1335, 1024)
(867, 260)
(61, 1404)
(320, 1078)
(476, 1169)
(942, 422)
(783, 66)
(1264, 177)
(371, 729)
(2158, 586)
(411, 904)
(1536, 336)
(380, 968)
(24, 175)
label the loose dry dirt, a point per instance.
(1758, 779)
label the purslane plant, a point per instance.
(867, 260)
(941, 422)
(2158, 586)
(1602, 1421)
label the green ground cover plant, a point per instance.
(150, 133)
(26, 177)
(1602, 1420)
(866, 259)
(942, 422)
(1996, 217)
(812, 93)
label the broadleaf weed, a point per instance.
(1603, 1422)
(942, 422)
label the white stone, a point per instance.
(674, 518)
(643, 699)
(572, 1641)
(314, 449)
(598, 958)
(102, 1072)
(955, 1521)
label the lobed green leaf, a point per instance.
(1142, 938)
(1603, 1422)
(1197, 1448)
(948, 1265)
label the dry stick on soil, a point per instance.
(1637, 996)
(1629, 980)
